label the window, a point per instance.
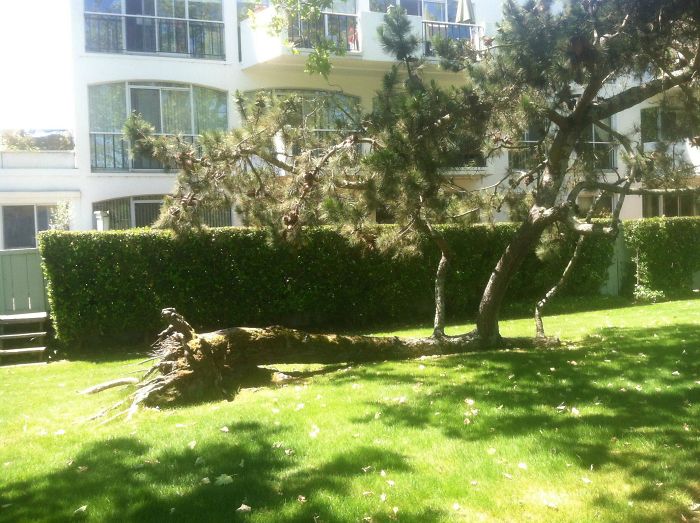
(526, 155)
(171, 109)
(179, 27)
(21, 223)
(670, 205)
(336, 24)
(598, 148)
(658, 124)
(323, 112)
(143, 211)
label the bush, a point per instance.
(665, 252)
(108, 288)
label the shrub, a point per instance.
(665, 253)
(108, 288)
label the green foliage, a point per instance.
(665, 252)
(109, 287)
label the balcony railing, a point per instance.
(107, 33)
(449, 31)
(109, 152)
(599, 155)
(340, 29)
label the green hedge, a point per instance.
(665, 252)
(108, 288)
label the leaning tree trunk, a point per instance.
(440, 299)
(521, 245)
(551, 293)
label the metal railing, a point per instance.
(109, 152)
(107, 33)
(340, 29)
(433, 30)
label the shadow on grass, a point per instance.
(121, 480)
(633, 388)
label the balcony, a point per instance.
(37, 160)
(109, 152)
(113, 33)
(355, 33)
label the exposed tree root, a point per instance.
(190, 366)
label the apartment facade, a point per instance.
(179, 63)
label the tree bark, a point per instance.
(440, 302)
(191, 366)
(521, 245)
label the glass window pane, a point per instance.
(18, 226)
(686, 204)
(650, 206)
(650, 127)
(146, 213)
(165, 8)
(107, 107)
(434, 11)
(344, 7)
(412, 7)
(103, 6)
(146, 102)
(177, 111)
(140, 34)
(43, 217)
(670, 205)
(600, 134)
(206, 10)
(140, 7)
(172, 36)
(381, 6)
(211, 112)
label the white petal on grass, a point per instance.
(244, 508)
(382, 497)
(586, 480)
(224, 429)
(80, 510)
(522, 466)
(192, 444)
(205, 481)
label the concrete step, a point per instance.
(28, 350)
(30, 317)
(22, 335)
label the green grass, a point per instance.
(604, 429)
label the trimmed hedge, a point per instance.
(665, 252)
(107, 288)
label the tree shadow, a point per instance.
(121, 480)
(607, 377)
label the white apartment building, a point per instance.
(179, 62)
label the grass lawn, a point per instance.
(604, 429)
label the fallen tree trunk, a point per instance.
(190, 366)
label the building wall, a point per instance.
(266, 63)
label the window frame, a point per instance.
(35, 206)
(157, 18)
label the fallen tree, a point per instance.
(190, 366)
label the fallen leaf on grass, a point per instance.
(224, 479)
(80, 510)
(382, 497)
(243, 508)
(575, 412)
(205, 481)
(491, 451)
(301, 499)
(299, 406)
(586, 480)
(192, 444)
(391, 483)
(455, 506)
(224, 429)
(522, 466)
